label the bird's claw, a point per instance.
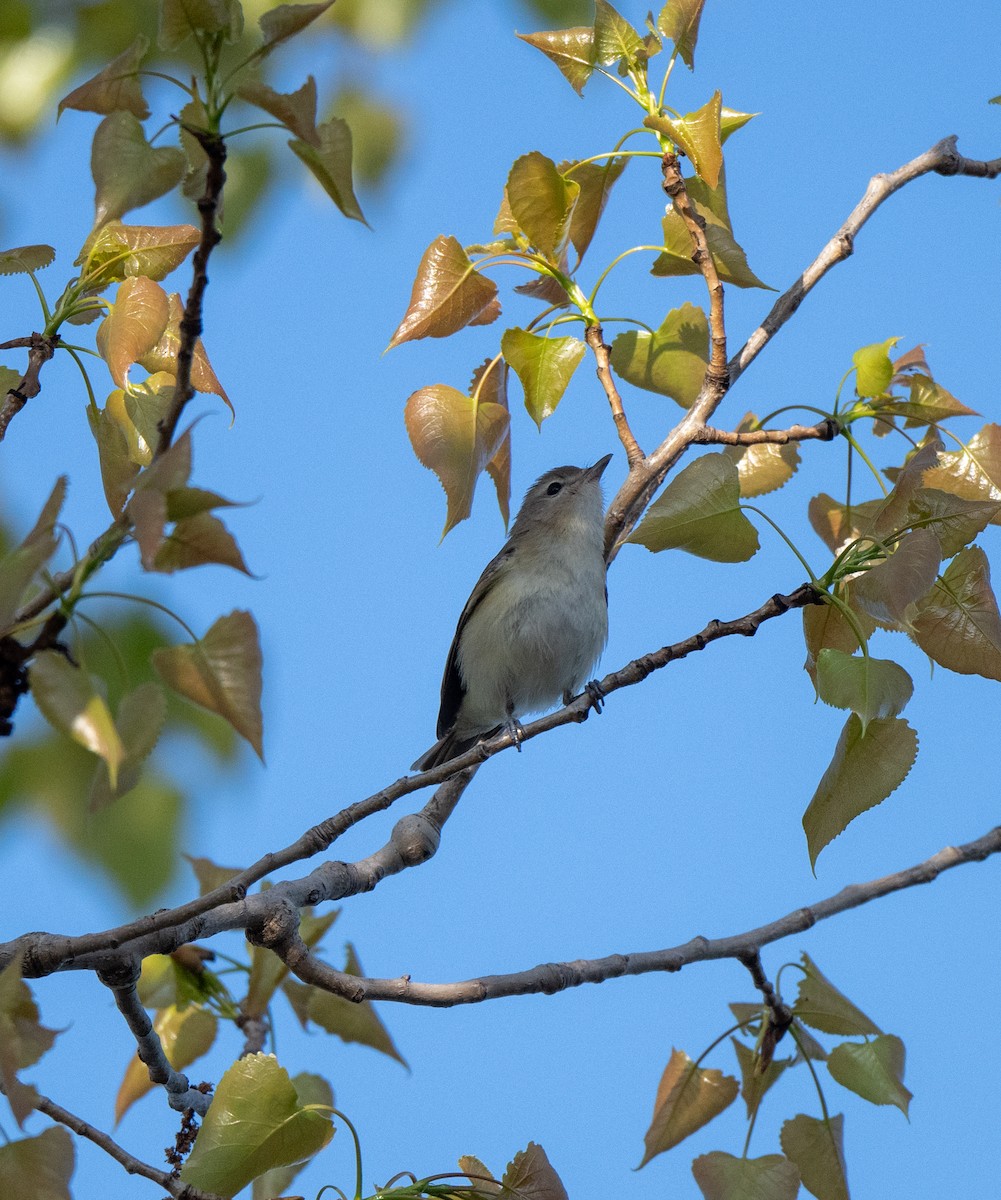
(594, 692)
(515, 731)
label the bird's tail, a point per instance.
(448, 747)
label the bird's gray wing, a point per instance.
(452, 687)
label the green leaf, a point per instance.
(545, 365)
(309, 1089)
(19, 567)
(141, 716)
(679, 21)
(615, 40)
(181, 18)
(448, 294)
(816, 1146)
(699, 135)
(120, 251)
(329, 159)
(973, 473)
(222, 673)
(22, 259)
(688, 1097)
(721, 1176)
(572, 50)
(763, 468)
(195, 541)
(711, 205)
(296, 110)
(862, 773)
(531, 1175)
(874, 1070)
(730, 121)
(127, 171)
(133, 327)
(456, 437)
(889, 591)
(870, 687)
(351, 1022)
(285, 21)
(825, 625)
(671, 361)
(67, 699)
(822, 1006)
(929, 403)
(699, 511)
(958, 624)
(114, 89)
(146, 405)
(38, 1168)
(873, 368)
(542, 202)
(596, 181)
(118, 468)
(754, 1081)
(256, 1122)
(185, 1035)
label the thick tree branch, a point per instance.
(548, 978)
(40, 350)
(134, 1166)
(595, 338)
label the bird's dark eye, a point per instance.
(554, 488)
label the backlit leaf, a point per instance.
(754, 1081)
(448, 293)
(711, 205)
(889, 591)
(38, 1168)
(596, 181)
(256, 1122)
(679, 21)
(118, 466)
(826, 626)
(699, 511)
(195, 541)
(493, 390)
(870, 687)
(953, 520)
(836, 524)
(128, 172)
(545, 365)
(572, 50)
(309, 1089)
(286, 20)
(134, 325)
(929, 402)
(19, 567)
(296, 110)
(974, 473)
(66, 698)
(181, 18)
(351, 1022)
(958, 624)
(146, 405)
(115, 88)
(21, 259)
(23, 1039)
(874, 1070)
(141, 716)
(531, 1176)
(268, 971)
(731, 120)
(671, 361)
(221, 672)
(688, 1097)
(698, 134)
(542, 202)
(873, 368)
(816, 1146)
(614, 38)
(120, 251)
(185, 1035)
(763, 468)
(721, 1176)
(455, 436)
(163, 356)
(862, 773)
(329, 159)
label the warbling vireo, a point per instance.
(537, 620)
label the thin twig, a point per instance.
(824, 431)
(40, 350)
(594, 335)
(548, 978)
(134, 1166)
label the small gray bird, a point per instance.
(537, 620)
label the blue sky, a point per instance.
(678, 811)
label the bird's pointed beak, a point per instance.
(596, 471)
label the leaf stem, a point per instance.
(788, 541)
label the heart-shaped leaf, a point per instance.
(698, 134)
(127, 171)
(721, 1176)
(545, 366)
(66, 698)
(448, 294)
(114, 89)
(688, 1097)
(679, 21)
(958, 624)
(873, 1070)
(870, 687)
(572, 50)
(672, 360)
(816, 1146)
